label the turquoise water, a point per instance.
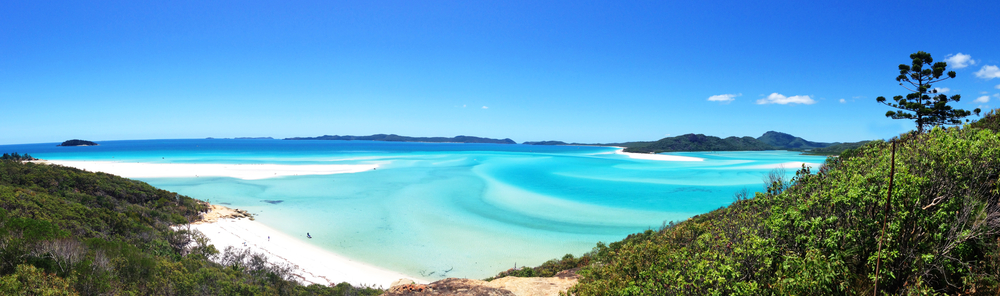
(451, 210)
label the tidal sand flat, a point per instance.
(313, 265)
(665, 157)
(451, 210)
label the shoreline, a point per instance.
(663, 157)
(195, 170)
(313, 265)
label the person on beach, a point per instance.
(309, 236)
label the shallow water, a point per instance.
(452, 210)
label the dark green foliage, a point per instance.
(105, 235)
(818, 234)
(698, 142)
(77, 142)
(398, 138)
(923, 104)
(789, 142)
(17, 157)
(990, 121)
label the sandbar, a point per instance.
(792, 165)
(193, 170)
(313, 265)
(650, 156)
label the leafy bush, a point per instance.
(28, 280)
(990, 121)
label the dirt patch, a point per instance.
(507, 286)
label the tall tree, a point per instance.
(924, 104)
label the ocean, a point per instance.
(435, 210)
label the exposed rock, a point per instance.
(516, 286)
(401, 282)
(216, 212)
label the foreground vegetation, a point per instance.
(17, 157)
(821, 233)
(64, 231)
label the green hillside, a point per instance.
(64, 231)
(697, 142)
(789, 142)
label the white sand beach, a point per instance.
(664, 157)
(313, 264)
(186, 170)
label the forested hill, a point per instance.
(398, 138)
(64, 231)
(77, 142)
(770, 140)
(789, 142)
(698, 142)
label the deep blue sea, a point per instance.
(451, 210)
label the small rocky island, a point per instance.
(77, 142)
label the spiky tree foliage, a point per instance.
(924, 104)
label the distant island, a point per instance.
(77, 142)
(398, 138)
(699, 142)
(770, 140)
(546, 143)
(241, 138)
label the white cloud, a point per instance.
(942, 90)
(996, 95)
(843, 101)
(988, 72)
(983, 99)
(998, 86)
(484, 107)
(776, 98)
(724, 98)
(959, 60)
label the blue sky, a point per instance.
(577, 71)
